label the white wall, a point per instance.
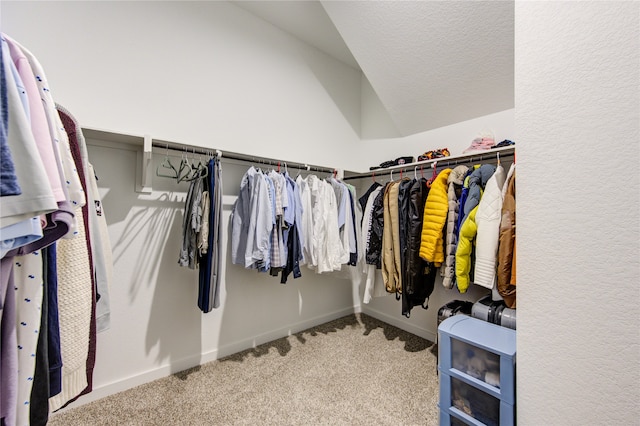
(457, 137)
(375, 121)
(202, 73)
(206, 74)
(577, 120)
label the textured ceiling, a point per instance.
(431, 63)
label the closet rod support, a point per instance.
(144, 172)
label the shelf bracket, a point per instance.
(144, 168)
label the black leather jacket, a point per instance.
(418, 276)
(404, 200)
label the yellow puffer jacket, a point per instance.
(468, 232)
(435, 215)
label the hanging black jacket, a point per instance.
(404, 200)
(420, 275)
(363, 200)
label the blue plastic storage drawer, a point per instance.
(479, 353)
(477, 372)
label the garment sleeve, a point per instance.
(463, 252)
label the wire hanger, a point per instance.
(198, 171)
(201, 171)
(166, 169)
(184, 170)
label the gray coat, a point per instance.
(455, 181)
(477, 182)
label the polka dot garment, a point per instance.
(29, 287)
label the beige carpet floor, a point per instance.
(355, 370)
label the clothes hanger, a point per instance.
(307, 168)
(184, 170)
(201, 172)
(434, 175)
(166, 169)
(198, 172)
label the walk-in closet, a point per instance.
(256, 212)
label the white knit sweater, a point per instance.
(75, 299)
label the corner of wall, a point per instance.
(375, 121)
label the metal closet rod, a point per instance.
(492, 155)
(184, 149)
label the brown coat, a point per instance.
(506, 275)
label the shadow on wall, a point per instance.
(152, 223)
(173, 306)
(340, 89)
(154, 296)
(254, 302)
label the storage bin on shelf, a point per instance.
(477, 372)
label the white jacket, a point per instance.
(488, 222)
(373, 287)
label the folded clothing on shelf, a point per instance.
(481, 143)
(504, 143)
(397, 162)
(436, 153)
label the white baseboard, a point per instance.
(160, 372)
(401, 323)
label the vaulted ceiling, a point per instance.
(431, 63)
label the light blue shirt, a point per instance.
(19, 234)
(252, 222)
(343, 198)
